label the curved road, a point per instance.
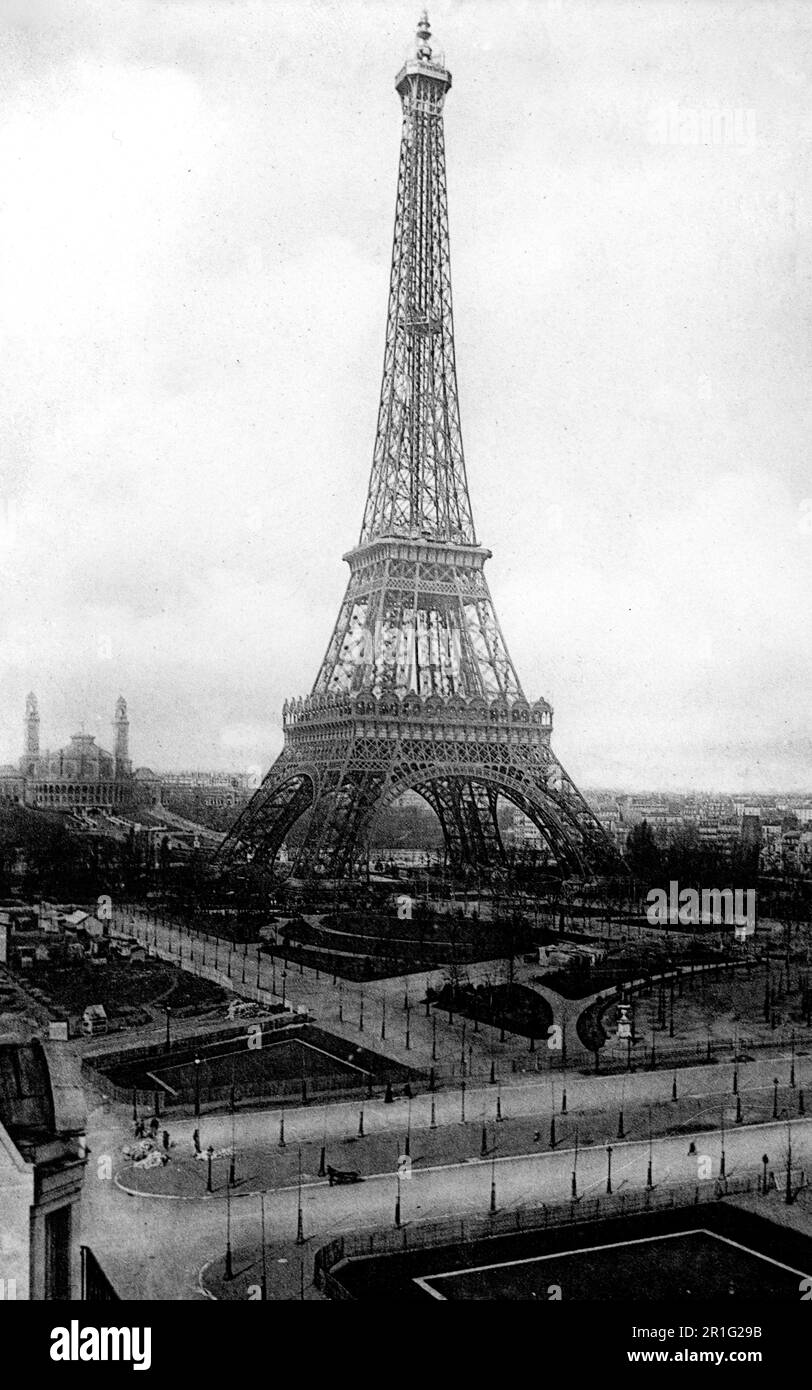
(154, 1247)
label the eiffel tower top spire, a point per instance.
(418, 486)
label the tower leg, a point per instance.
(478, 807)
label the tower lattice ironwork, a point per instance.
(417, 690)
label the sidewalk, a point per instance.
(506, 1122)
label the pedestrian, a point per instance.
(691, 1148)
(196, 1140)
(166, 1139)
(139, 1129)
(154, 1126)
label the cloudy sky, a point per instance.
(196, 202)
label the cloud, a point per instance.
(197, 205)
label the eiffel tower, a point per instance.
(417, 690)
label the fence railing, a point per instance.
(433, 1234)
(465, 1230)
(282, 1090)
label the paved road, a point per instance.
(340, 1006)
(154, 1247)
(701, 1091)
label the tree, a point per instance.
(642, 852)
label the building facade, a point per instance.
(212, 790)
(80, 774)
(83, 775)
(42, 1166)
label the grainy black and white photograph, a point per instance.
(405, 753)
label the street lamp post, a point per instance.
(775, 1097)
(650, 1173)
(609, 1169)
(574, 1182)
(264, 1285)
(764, 1162)
(232, 1164)
(209, 1157)
(197, 1088)
(168, 1008)
(229, 1265)
(300, 1240)
(722, 1170)
(788, 1198)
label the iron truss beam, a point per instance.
(348, 757)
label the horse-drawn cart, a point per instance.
(338, 1176)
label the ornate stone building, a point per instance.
(80, 774)
(83, 774)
